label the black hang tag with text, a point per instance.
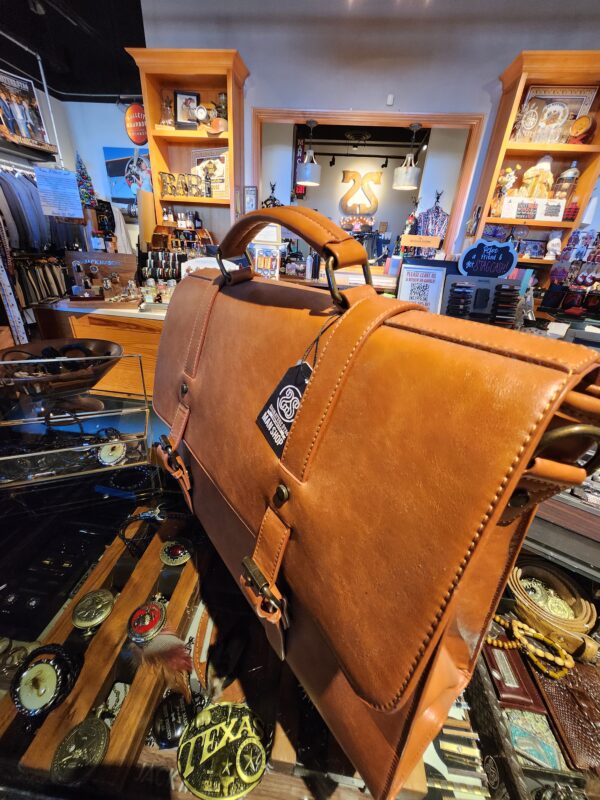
(278, 413)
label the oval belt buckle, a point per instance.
(559, 435)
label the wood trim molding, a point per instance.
(474, 123)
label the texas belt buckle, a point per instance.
(221, 755)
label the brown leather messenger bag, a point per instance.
(367, 471)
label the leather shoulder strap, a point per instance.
(322, 234)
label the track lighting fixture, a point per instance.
(332, 162)
(385, 163)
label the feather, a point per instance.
(167, 654)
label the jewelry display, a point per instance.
(80, 752)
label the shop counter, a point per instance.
(138, 333)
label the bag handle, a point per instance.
(337, 246)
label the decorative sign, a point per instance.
(135, 124)
(181, 185)
(412, 240)
(487, 259)
(360, 182)
(422, 285)
(59, 193)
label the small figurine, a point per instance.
(554, 246)
(538, 180)
(504, 187)
(167, 112)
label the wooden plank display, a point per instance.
(101, 657)
(63, 627)
(129, 729)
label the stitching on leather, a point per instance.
(448, 596)
(204, 315)
(316, 370)
(360, 339)
(260, 531)
(495, 349)
(276, 562)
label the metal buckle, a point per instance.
(256, 581)
(556, 435)
(166, 447)
(330, 267)
(224, 271)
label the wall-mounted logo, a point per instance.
(362, 186)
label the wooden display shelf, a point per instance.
(545, 68)
(198, 137)
(530, 223)
(526, 148)
(100, 661)
(534, 262)
(129, 729)
(207, 72)
(197, 201)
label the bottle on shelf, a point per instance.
(170, 214)
(207, 187)
(165, 215)
(197, 221)
(566, 182)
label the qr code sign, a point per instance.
(419, 293)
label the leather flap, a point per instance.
(415, 458)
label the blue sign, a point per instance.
(488, 259)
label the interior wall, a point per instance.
(277, 144)
(432, 55)
(442, 167)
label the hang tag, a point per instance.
(278, 414)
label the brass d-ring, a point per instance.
(550, 438)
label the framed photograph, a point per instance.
(186, 103)
(548, 112)
(423, 285)
(250, 198)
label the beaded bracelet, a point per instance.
(520, 632)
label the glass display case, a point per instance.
(56, 420)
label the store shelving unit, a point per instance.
(207, 72)
(548, 68)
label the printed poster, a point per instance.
(20, 116)
(128, 169)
